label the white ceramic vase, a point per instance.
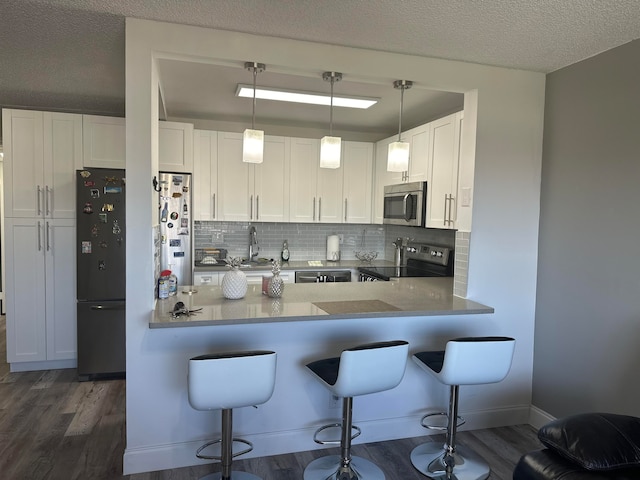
(234, 284)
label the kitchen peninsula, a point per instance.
(402, 297)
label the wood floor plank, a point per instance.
(53, 427)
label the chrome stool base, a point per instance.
(234, 476)
(428, 459)
(326, 468)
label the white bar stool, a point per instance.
(360, 370)
(225, 381)
(464, 361)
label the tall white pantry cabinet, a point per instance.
(42, 151)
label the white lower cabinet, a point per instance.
(206, 278)
(40, 290)
(253, 277)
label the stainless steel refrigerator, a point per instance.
(101, 272)
(175, 225)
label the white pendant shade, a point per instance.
(252, 146)
(398, 158)
(330, 149)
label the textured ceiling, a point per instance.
(69, 54)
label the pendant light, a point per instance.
(398, 157)
(330, 146)
(253, 140)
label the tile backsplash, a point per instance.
(307, 241)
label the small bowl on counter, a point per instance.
(366, 257)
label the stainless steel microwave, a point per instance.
(405, 204)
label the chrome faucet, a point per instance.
(253, 244)
(398, 257)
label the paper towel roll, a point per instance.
(333, 248)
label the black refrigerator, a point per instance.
(101, 272)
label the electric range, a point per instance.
(421, 260)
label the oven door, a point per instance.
(405, 204)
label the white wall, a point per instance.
(162, 429)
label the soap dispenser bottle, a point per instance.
(285, 251)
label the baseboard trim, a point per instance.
(178, 455)
(538, 417)
(44, 365)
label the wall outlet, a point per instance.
(341, 237)
(217, 237)
(334, 402)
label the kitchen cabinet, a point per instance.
(315, 193)
(418, 139)
(442, 188)
(103, 141)
(357, 181)
(42, 152)
(253, 192)
(40, 290)
(253, 277)
(326, 195)
(205, 174)
(434, 158)
(175, 147)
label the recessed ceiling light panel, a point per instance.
(296, 96)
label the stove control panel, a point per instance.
(427, 253)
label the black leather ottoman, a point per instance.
(591, 446)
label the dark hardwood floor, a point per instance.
(55, 428)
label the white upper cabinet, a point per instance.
(358, 177)
(442, 187)
(42, 152)
(175, 147)
(327, 195)
(253, 192)
(205, 175)
(103, 141)
(305, 156)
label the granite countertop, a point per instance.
(318, 301)
(299, 265)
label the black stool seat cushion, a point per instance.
(586, 446)
(326, 369)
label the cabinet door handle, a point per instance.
(314, 209)
(47, 237)
(39, 238)
(213, 212)
(251, 207)
(38, 199)
(452, 202)
(257, 207)
(444, 215)
(320, 209)
(345, 210)
(47, 194)
(107, 307)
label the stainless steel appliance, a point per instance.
(101, 272)
(422, 261)
(405, 204)
(175, 225)
(313, 276)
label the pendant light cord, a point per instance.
(333, 79)
(253, 117)
(402, 85)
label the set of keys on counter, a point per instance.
(179, 309)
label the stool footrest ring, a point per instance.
(461, 421)
(334, 442)
(218, 457)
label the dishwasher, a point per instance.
(309, 276)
